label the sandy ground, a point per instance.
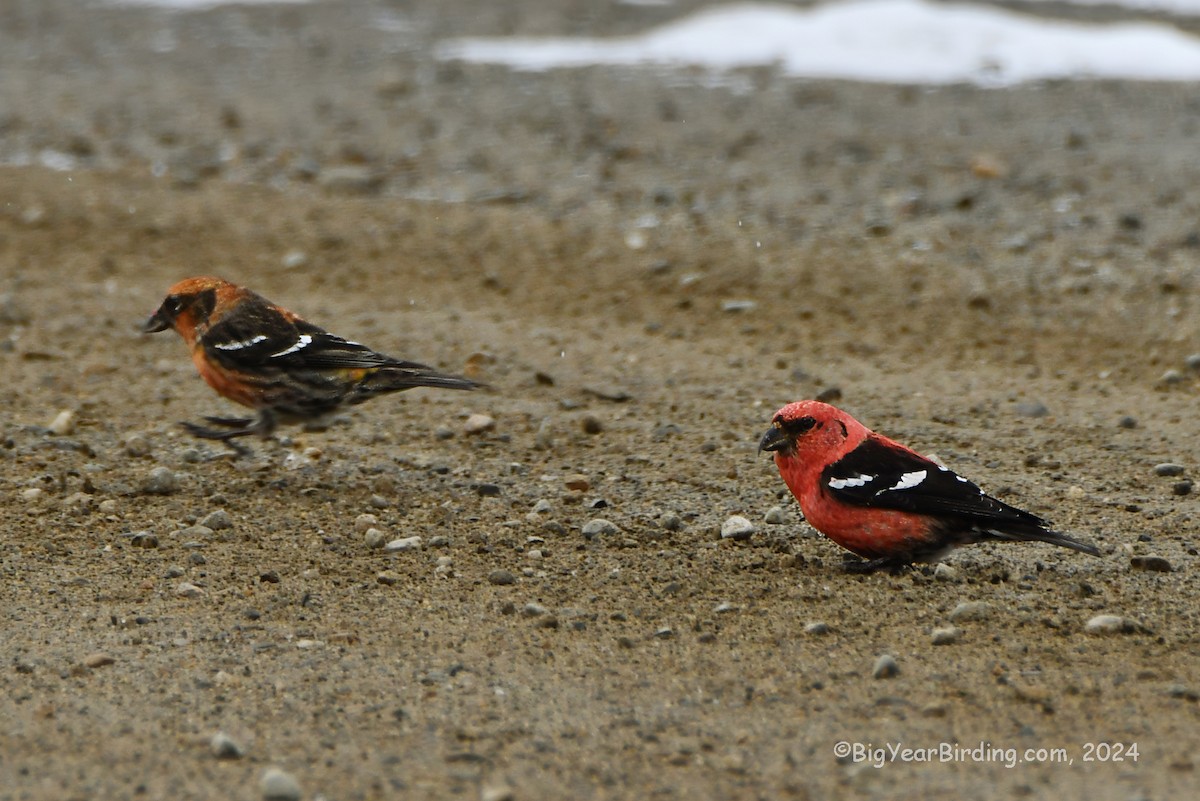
(643, 268)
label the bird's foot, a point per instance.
(863, 566)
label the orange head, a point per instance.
(189, 305)
(813, 433)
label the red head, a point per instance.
(812, 432)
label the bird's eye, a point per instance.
(802, 425)
(173, 305)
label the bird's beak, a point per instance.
(774, 440)
(157, 322)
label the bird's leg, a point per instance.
(891, 564)
(232, 427)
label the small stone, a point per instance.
(1183, 691)
(1112, 624)
(724, 606)
(533, 610)
(497, 792)
(599, 527)
(160, 481)
(591, 424)
(944, 572)
(1193, 362)
(1183, 487)
(279, 785)
(109, 506)
(1127, 422)
(487, 490)
(737, 528)
(186, 589)
(379, 502)
(664, 633)
(96, 660)
(971, 610)
(31, 494)
(144, 539)
(1032, 409)
(1153, 564)
(775, 516)
(387, 578)
(1169, 469)
(375, 538)
(63, 424)
(1171, 377)
(217, 520)
(403, 544)
(501, 577)
(542, 507)
(577, 483)
(672, 522)
(885, 667)
(364, 522)
(738, 306)
(817, 628)
(946, 636)
(479, 423)
(225, 747)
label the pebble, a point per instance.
(946, 636)
(144, 539)
(1171, 377)
(31, 493)
(542, 507)
(533, 610)
(387, 578)
(943, 572)
(1127, 422)
(487, 490)
(775, 516)
(136, 445)
(501, 577)
(63, 423)
(817, 628)
(1193, 362)
(186, 589)
(737, 527)
(403, 544)
(1032, 409)
(885, 667)
(375, 538)
(1112, 624)
(1183, 487)
(364, 522)
(497, 792)
(1169, 469)
(479, 423)
(599, 527)
(725, 606)
(591, 424)
(160, 481)
(577, 483)
(1154, 564)
(379, 502)
(672, 522)
(217, 520)
(279, 785)
(971, 610)
(225, 747)
(99, 659)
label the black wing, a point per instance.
(881, 476)
(256, 335)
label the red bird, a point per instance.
(269, 359)
(886, 502)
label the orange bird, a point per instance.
(271, 360)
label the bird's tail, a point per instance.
(396, 378)
(1034, 534)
